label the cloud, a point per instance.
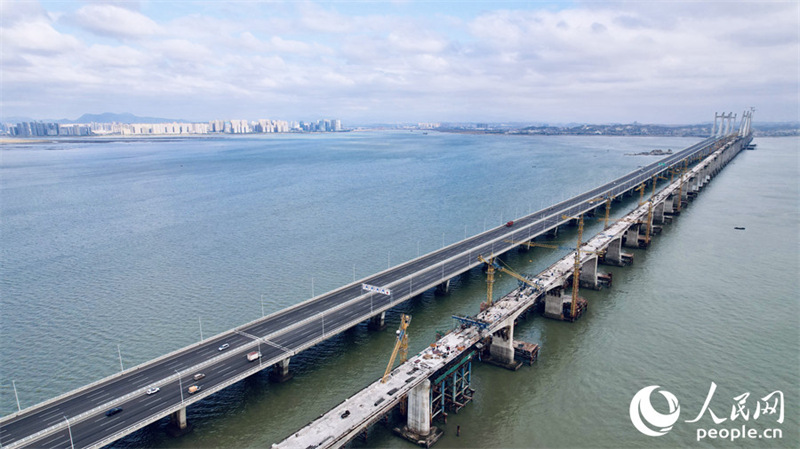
(508, 64)
(115, 21)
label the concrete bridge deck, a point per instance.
(78, 416)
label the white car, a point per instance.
(153, 390)
(224, 347)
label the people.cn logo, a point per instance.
(646, 419)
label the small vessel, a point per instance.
(739, 228)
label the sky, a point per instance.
(668, 62)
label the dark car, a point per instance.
(113, 411)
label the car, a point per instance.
(194, 389)
(509, 224)
(224, 347)
(153, 390)
(113, 411)
(199, 376)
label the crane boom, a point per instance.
(400, 346)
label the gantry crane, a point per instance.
(401, 346)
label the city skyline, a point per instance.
(662, 62)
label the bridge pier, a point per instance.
(501, 350)
(280, 371)
(588, 274)
(658, 213)
(632, 236)
(443, 288)
(178, 425)
(378, 322)
(614, 254)
(418, 427)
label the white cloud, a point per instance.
(502, 64)
(115, 21)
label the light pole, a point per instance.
(180, 384)
(69, 429)
(262, 305)
(312, 286)
(16, 396)
(119, 353)
(200, 320)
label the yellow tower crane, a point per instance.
(608, 198)
(492, 265)
(650, 210)
(401, 346)
(641, 193)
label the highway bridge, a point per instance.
(78, 418)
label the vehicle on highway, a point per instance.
(224, 347)
(153, 390)
(509, 224)
(194, 389)
(199, 376)
(113, 411)
(252, 356)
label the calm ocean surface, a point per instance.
(140, 243)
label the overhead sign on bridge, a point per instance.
(372, 288)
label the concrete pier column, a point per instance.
(632, 236)
(178, 425)
(419, 409)
(613, 254)
(178, 419)
(502, 348)
(588, 274)
(443, 288)
(280, 371)
(554, 304)
(418, 427)
(676, 200)
(658, 213)
(378, 322)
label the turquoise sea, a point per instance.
(130, 249)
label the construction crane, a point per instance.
(576, 270)
(401, 346)
(650, 210)
(641, 193)
(492, 266)
(607, 199)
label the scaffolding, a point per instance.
(452, 390)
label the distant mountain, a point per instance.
(125, 117)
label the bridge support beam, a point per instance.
(378, 322)
(280, 371)
(418, 427)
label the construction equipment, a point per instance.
(641, 193)
(576, 270)
(650, 210)
(401, 346)
(493, 265)
(607, 199)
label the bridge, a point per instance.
(422, 382)
(78, 418)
